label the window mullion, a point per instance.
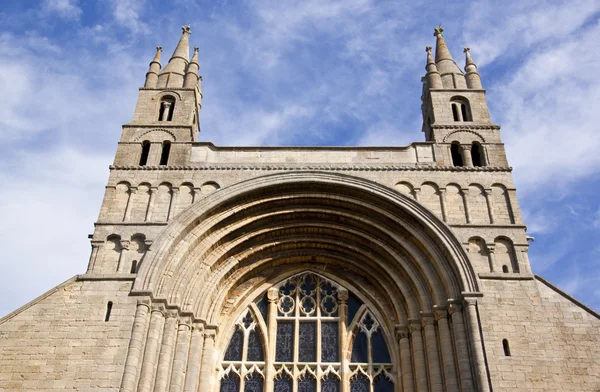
(272, 296)
(344, 351)
(296, 337)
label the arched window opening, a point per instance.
(456, 155)
(145, 153)
(167, 107)
(310, 311)
(109, 306)
(506, 347)
(134, 264)
(455, 112)
(505, 269)
(476, 154)
(464, 112)
(166, 150)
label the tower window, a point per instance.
(456, 156)
(506, 347)
(134, 264)
(505, 269)
(476, 154)
(167, 106)
(145, 153)
(166, 149)
(461, 110)
(109, 306)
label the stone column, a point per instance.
(415, 329)
(465, 197)
(477, 346)
(193, 369)
(408, 384)
(462, 348)
(122, 254)
(130, 201)
(208, 358)
(417, 192)
(443, 201)
(153, 193)
(433, 356)
(441, 317)
(167, 349)
(466, 154)
(272, 296)
(196, 195)
(523, 260)
(343, 296)
(181, 355)
(149, 364)
(174, 203)
(136, 346)
(492, 257)
(490, 204)
(95, 248)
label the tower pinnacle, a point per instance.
(434, 80)
(173, 74)
(191, 77)
(152, 74)
(472, 76)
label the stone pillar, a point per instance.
(462, 348)
(181, 355)
(433, 356)
(167, 348)
(523, 260)
(149, 364)
(272, 296)
(418, 355)
(174, 202)
(193, 369)
(136, 346)
(490, 204)
(196, 194)
(122, 254)
(94, 255)
(465, 197)
(130, 201)
(343, 296)
(466, 155)
(417, 192)
(443, 201)
(408, 384)
(153, 193)
(208, 358)
(166, 108)
(441, 317)
(477, 345)
(492, 256)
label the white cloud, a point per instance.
(68, 9)
(127, 14)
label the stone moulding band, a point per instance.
(321, 168)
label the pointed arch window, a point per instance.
(311, 322)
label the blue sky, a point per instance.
(291, 73)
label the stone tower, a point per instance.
(302, 269)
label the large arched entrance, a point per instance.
(213, 264)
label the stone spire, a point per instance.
(152, 74)
(472, 76)
(191, 77)
(452, 76)
(434, 80)
(173, 74)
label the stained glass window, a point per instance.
(310, 311)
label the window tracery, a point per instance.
(313, 322)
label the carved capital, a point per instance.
(440, 312)
(427, 319)
(210, 332)
(491, 248)
(148, 243)
(454, 306)
(185, 323)
(125, 244)
(198, 327)
(273, 295)
(470, 301)
(414, 325)
(401, 332)
(172, 313)
(343, 295)
(144, 302)
(159, 308)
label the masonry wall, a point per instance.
(61, 340)
(554, 343)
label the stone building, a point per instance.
(304, 269)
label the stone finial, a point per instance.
(196, 49)
(466, 50)
(186, 29)
(428, 49)
(438, 31)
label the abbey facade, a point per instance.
(304, 269)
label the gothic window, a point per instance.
(456, 156)
(306, 317)
(477, 154)
(145, 153)
(167, 106)
(166, 149)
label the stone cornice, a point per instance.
(289, 167)
(465, 126)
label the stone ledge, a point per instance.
(320, 168)
(131, 223)
(127, 277)
(505, 276)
